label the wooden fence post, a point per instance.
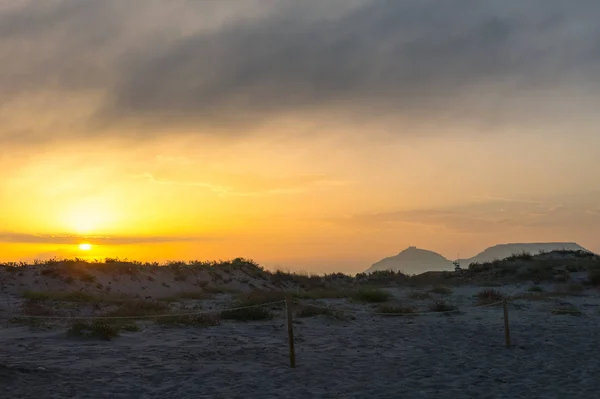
(506, 329)
(290, 320)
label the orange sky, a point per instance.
(177, 138)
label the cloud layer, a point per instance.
(244, 65)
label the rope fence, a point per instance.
(157, 316)
(289, 307)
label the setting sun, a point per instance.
(85, 247)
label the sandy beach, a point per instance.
(354, 354)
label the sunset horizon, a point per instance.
(308, 137)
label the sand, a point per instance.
(433, 356)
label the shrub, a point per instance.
(595, 277)
(520, 256)
(87, 278)
(134, 308)
(322, 293)
(131, 327)
(567, 311)
(491, 284)
(248, 314)
(419, 295)
(198, 320)
(312, 311)
(489, 296)
(395, 309)
(76, 296)
(575, 288)
(192, 295)
(536, 288)
(441, 290)
(34, 307)
(93, 330)
(441, 306)
(259, 298)
(372, 295)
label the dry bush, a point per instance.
(260, 297)
(571, 311)
(372, 295)
(75, 296)
(441, 306)
(575, 288)
(419, 295)
(489, 296)
(395, 309)
(312, 311)
(248, 314)
(536, 288)
(93, 330)
(189, 295)
(441, 290)
(323, 293)
(198, 320)
(133, 308)
(32, 307)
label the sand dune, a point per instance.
(353, 354)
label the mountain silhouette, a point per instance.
(502, 251)
(412, 261)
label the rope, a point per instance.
(146, 316)
(389, 314)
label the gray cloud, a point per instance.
(9, 237)
(482, 217)
(255, 186)
(456, 58)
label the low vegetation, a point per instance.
(571, 311)
(134, 308)
(489, 296)
(32, 307)
(372, 295)
(441, 290)
(247, 314)
(198, 320)
(312, 311)
(94, 330)
(76, 296)
(441, 306)
(575, 288)
(536, 288)
(419, 295)
(189, 295)
(395, 309)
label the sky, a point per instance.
(318, 136)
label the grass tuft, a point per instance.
(311, 311)
(199, 320)
(488, 296)
(419, 295)
(93, 330)
(536, 288)
(441, 306)
(395, 309)
(249, 314)
(133, 308)
(441, 290)
(372, 295)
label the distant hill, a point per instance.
(413, 261)
(501, 251)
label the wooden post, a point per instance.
(290, 320)
(506, 329)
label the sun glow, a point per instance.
(88, 218)
(85, 247)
